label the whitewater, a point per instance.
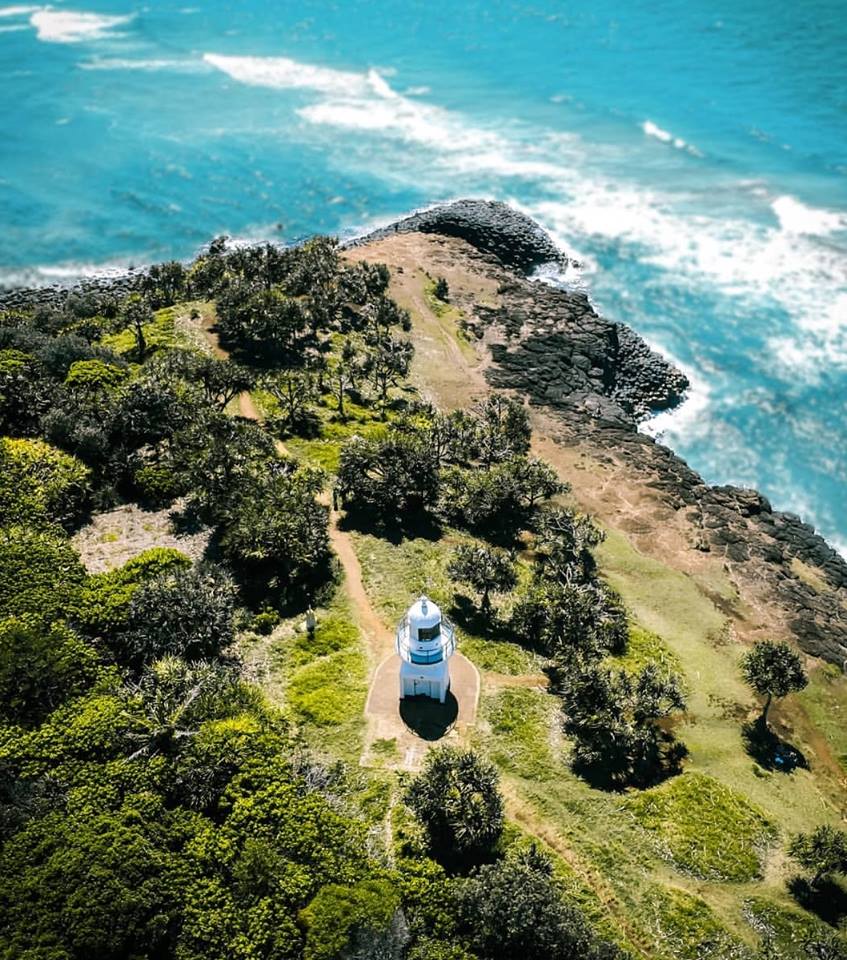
(699, 187)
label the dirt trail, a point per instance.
(380, 639)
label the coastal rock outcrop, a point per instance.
(600, 379)
(487, 225)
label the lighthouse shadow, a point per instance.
(427, 718)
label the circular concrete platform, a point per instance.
(401, 731)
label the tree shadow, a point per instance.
(770, 751)
(827, 899)
(418, 525)
(427, 718)
(618, 772)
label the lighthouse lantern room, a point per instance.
(425, 642)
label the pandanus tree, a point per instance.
(169, 703)
(485, 569)
(456, 798)
(822, 852)
(773, 670)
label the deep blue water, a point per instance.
(692, 155)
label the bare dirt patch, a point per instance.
(117, 536)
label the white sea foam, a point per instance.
(281, 73)
(72, 26)
(18, 11)
(59, 273)
(786, 262)
(741, 257)
(797, 217)
(690, 416)
(654, 130)
(15, 28)
(152, 66)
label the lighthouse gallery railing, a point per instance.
(434, 651)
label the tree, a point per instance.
(148, 413)
(186, 613)
(822, 852)
(441, 290)
(136, 314)
(278, 529)
(612, 717)
(362, 922)
(453, 437)
(456, 798)
(514, 908)
(484, 569)
(392, 479)
(388, 362)
(220, 455)
(504, 429)
(773, 670)
(164, 283)
(569, 619)
(98, 882)
(171, 700)
(262, 322)
(563, 544)
(25, 392)
(294, 391)
(530, 479)
(498, 501)
(102, 606)
(221, 380)
(344, 372)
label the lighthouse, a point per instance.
(425, 642)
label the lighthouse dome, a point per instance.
(423, 614)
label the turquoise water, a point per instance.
(691, 155)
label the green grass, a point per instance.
(705, 828)
(335, 631)
(501, 656)
(522, 721)
(825, 703)
(787, 929)
(681, 611)
(643, 647)
(330, 691)
(160, 333)
(396, 574)
(687, 928)
(324, 451)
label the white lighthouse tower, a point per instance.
(425, 643)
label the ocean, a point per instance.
(691, 155)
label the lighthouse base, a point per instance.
(419, 680)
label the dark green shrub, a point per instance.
(40, 668)
(40, 485)
(40, 573)
(158, 484)
(456, 798)
(185, 612)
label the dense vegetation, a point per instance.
(157, 801)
